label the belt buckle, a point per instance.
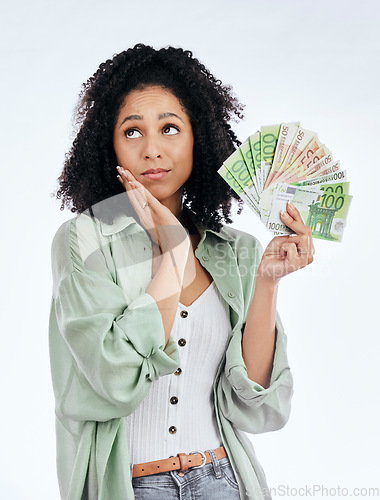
(204, 459)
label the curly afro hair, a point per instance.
(89, 173)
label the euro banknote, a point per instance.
(287, 162)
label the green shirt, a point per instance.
(107, 345)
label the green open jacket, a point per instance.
(107, 345)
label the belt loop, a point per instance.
(131, 471)
(215, 464)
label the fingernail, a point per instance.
(290, 204)
(285, 214)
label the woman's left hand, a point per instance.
(286, 254)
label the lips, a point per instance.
(155, 174)
(155, 171)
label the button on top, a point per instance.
(230, 294)
(178, 372)
(173, 400)
(182, 342)
(205, 257)
(184, 314)
(172, 429)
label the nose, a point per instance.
(152, 148)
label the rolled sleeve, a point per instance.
(245, 403)
(116, 351)
(105, 348)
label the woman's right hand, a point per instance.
(163, 227)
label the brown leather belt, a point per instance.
(181, 462)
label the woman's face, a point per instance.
(153, 131)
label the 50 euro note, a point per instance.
(298, 165)
(315, 165)
(284, 141)
(302, 138)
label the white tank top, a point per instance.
(178, 414)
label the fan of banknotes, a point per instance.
(283, 163)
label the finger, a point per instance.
(132, 185)
(311, 253)
(304, 242)
(291, 258)
(121, 179)
(289, 252)
(292, 218)
(137, 197)
(294, 260)
(127, 184)
(304, 247)
(276, 243)
(126, 177)
(142, 193)
(293, 211)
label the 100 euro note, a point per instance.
(268, 144)
(231, 180)
(301, 197)
(324, 209)
(327, 219)
(331, 178)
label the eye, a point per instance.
(170, 130)
(132, 133)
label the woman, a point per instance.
(163, 331)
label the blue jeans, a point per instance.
(213, 481)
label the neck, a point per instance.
(175, 205)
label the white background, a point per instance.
(316, 62)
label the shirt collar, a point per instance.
(119, 224)
(122, 221)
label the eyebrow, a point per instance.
(168, 115)
(161, 116)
